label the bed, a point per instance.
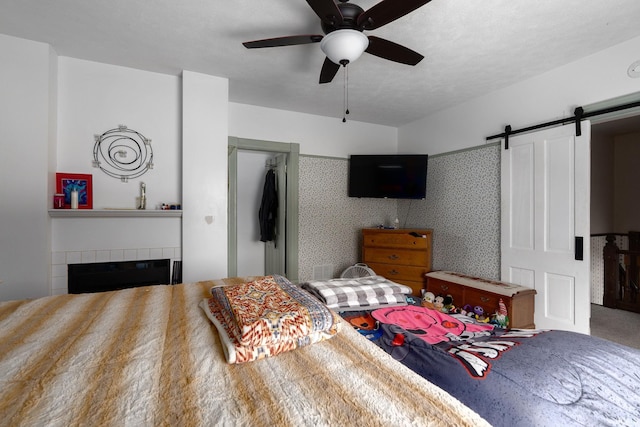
(149, 356)
(512, 377)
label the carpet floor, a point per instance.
(616, 325)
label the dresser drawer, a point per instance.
(394, 256)
(400, 255)
(395, 240)
(399, 272)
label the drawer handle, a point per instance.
(444, 287)
(393, 273)
(394, 256)
(485, 299)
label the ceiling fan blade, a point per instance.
(327, 11)
(329, 71)
(387, 11)
(283, 41)
(392, 51)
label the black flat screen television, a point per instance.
(393, 176)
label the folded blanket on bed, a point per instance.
(363, 292)
(266, 317)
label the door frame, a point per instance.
(292, 227)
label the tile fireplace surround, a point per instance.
(108, 235)
(60, 260)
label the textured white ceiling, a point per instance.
(471, 47)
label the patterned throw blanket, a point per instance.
(266, 317)
(430, 325)
(366, 292)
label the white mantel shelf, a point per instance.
(114, 213)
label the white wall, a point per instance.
(204, 176)
(94, 98)
(626, 190)
(602, 187)
(317, 135)
(322, 179)
(52, 108)
(27, 124)
(550, 96)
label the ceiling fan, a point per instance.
(343, 25)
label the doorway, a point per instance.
(618, 120)
(611, 210)
(614, 176)
(247, 254)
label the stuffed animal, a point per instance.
(500, 320)
(365, 324)
(363, 321)
(448, 304)
(467, 310)
(479, 314)
(438, 302)
(500, 317)
(427, 300)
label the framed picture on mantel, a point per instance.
(82, 183)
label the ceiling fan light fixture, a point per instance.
(344, 45)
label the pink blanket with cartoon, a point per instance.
(431, 325)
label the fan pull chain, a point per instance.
(346, 72)
(345, 95)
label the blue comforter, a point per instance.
(529, 377)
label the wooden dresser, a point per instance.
(400, 255)
(520, 300)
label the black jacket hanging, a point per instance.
(268, 208)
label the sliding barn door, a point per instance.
(545, 181)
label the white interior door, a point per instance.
(545, 185)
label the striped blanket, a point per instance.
(149, 356)
(357, 294)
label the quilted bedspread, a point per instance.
(149, 356)
(527, 377)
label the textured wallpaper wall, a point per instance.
(462, 207)
(329, 220)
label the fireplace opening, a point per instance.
(111, 276)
